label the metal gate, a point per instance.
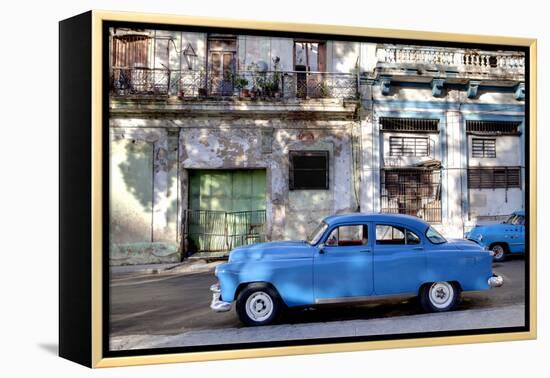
(221, 231)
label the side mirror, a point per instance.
(322, 248)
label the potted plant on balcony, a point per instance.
(257, 71)
(324, 90)
(240, 85)
(270, 88)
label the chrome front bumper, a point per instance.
(217, 304)
(495, 281)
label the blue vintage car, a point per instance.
(503, 238)
(351, 258)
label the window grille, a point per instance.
(494, 177)
(493, 127)
(407, 146)
(308, 170)
(484, 148)
(418, 125)
(412, 191)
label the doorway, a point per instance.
(226, 209)
(310, 65)
(222, 51)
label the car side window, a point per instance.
(412, 238)
(390, 235)
(395, 235)
(348, 235)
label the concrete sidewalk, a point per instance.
(187, 266)
(508, 316)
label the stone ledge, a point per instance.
(305, 108)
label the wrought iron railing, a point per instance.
(218, 231)
(140, 81)
(247, 84)
(412, 191)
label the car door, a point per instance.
(517, 242)
(342, 266)
(399, 259)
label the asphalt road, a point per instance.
(170, 304)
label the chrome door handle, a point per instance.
(365, 251)
(418, 248)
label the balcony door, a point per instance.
(309, 64)
(130, 51)
(130, 62)
(222, 53)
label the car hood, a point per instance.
(272, 250)
(464, 245)
(488, 228)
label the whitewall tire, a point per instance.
(499, 252)
(258, 304)
(439, 296)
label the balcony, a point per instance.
(462, 62)
(265, 85)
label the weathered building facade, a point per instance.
(222, 140)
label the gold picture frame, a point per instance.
(91, 329)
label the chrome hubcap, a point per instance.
(441, 294)
(498, 251)
(259, 306)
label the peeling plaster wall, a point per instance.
(144, 197)
(205, 143)
(290, 214)
(306, 208)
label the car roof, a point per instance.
(407, 220)
(519, 212)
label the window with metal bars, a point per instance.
(492, 127)
(412, 191)
(413, 125)
(308, 170)
(484, 148)
(409, 146)
(494, 178)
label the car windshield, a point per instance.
(434, 236)
(511, 219)
(514, 219)
(317, 233)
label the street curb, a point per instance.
(499, 317)
(188, 266)
(144, 269)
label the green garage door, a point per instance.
(226, 208)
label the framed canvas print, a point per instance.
(234, 189)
